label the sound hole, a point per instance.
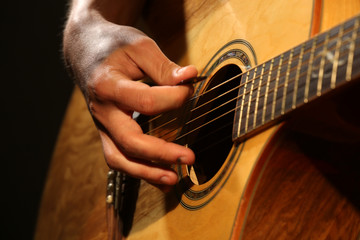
(213, 119)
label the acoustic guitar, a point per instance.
(275, 127)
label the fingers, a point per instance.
(140, 155)
(137, 96)
(114, 79)
(148, 56)
(131, 141)
(114, 95)
(147, 100)
(155, 174)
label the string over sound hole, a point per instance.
(211, 124)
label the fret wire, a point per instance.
(286, 81)
(230, 79)
(210, 122)
(248, 108)
(253, 79)
(343, 57)
(276, 87)
(279, 85)
(214, 120)
(289, 71)
(267, 91)
(329, 63)
(302, 75)
(322, 63)
(348, 72)
(262, 92)
(245, 103)
(258, 95)
(240, 85)
(297, 76)
(307, 83)
(293, 79)
(278, 76)
(244, 94)
(242, 101)
(336, 58)
(289, 82)
(351, 51)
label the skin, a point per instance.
(107, 57)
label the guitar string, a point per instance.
(210, 144)
(199, 127)
(193, 130)
(220, 116)
(190, 101)
(259, 96)
(279, 97)
(189, 132)
(253, 79)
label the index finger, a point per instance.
(137, 96)
(148, 56)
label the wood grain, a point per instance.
(75, 186)
(190, 32)
(308, 190)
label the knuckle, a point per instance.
(146, 103)
(127, 145)
(144, 41)
(143, 173)
(140, 42)
(111, 159)
(94, 89)
(98, 82)
(96, 85)
(165, 73)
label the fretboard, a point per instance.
(277, 87)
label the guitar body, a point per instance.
(291, 181)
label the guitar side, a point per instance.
(72, 215)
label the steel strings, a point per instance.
(333, 42)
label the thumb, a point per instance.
(153, 62)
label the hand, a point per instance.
(107, 59)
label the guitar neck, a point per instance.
(275, 88)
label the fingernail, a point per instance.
(164, 180)
(180, 71)
(181, 160)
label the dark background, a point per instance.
(35, 90)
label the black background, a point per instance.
(35, 90)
